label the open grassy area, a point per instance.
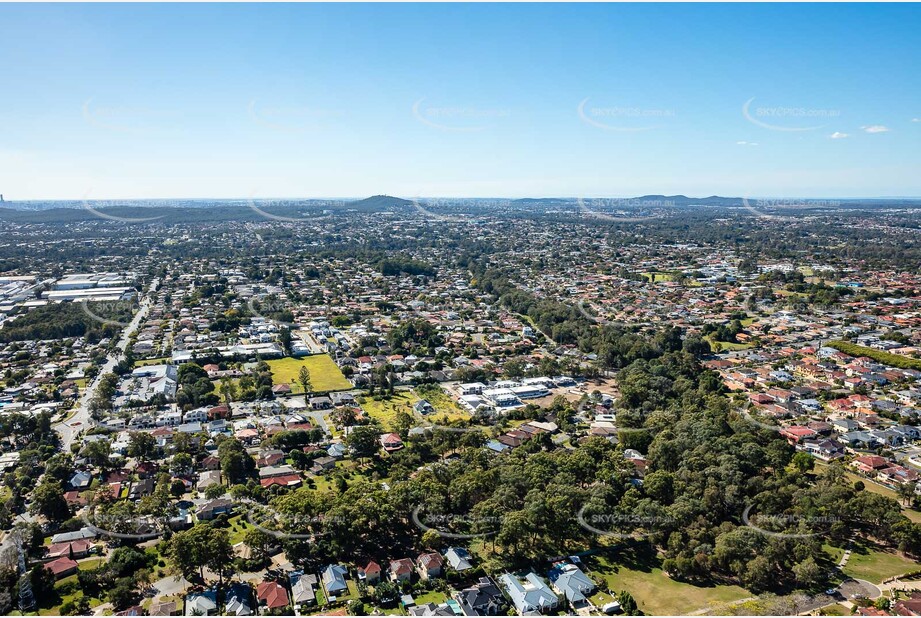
(151, 361)
(638, 571)
(726, 345)
(659, 277)
(432, 596)
(324, 374)
(386, 410)
(444, 405)
(874, 563)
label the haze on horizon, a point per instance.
(226, 102)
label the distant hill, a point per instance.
(377, 203)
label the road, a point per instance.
(72, 427)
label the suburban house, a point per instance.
(201, 603)
(430, 565)
(391, 442)
(239, 600)
(272, 595)
(458, 558)
(482, 599)
(532, 597)
(303, 590)
(62, 567)
(572, 583)
(334, 579)
(370, 573)
(401, 570)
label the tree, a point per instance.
(363, 441)
(48, 501)
(804, 462)
(201, 546)
(807, 572)
(228, 390)
(99, 452)
(259, 542)
(303, 378)
(628, 604)
(142, 445)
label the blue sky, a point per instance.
(137, 101)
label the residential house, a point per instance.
(401, 570)
(430, 565)
(572, 583)
(482, 599)
(532, 597)
(304, 588)
(334, 579)
(459, 558)
(201, 603)
(272, 595)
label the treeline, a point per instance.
(616, 346)
(880, 356)
(63, 320)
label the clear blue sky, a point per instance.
(132, 101)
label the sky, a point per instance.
(119, 101)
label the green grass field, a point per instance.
(151, 361)
(638, 571)
(875, 564)
(442, 402)
(324, 374)
(726, 345)
(385, 411)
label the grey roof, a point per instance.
(302, 589)
(530, 598)
(458, 558)
(572, 582)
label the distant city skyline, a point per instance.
(295, 101)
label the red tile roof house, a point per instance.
(391, 442)
(797, 433)
(371, 573)
(272, 594)
(401, 570)
(285, 480)
(73, 549)
(430, 565)
(870, 463)
(62, 567)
